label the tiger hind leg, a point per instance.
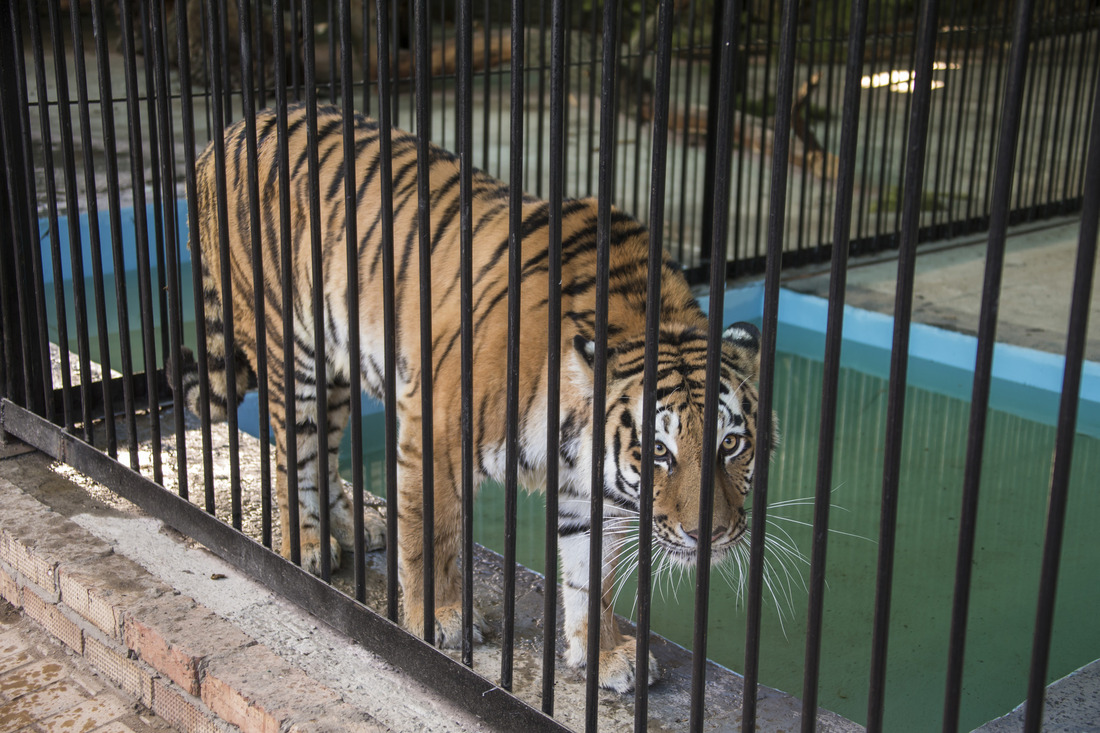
(341, 507)
(446, 542)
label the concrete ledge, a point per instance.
(194, 669)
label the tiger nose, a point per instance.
(714, 537)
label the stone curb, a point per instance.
(192, 668)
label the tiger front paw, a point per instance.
(617, 666)
(311, 553)
(374, 529)
(448, 625)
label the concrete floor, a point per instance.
(1035, 292)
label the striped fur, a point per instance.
(682, 357)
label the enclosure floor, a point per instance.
(1035, 291)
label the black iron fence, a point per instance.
(747, 136)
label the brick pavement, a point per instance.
(45, 687)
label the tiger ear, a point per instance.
(745, 340)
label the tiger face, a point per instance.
(678, 450)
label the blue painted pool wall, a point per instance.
(129, 241)
(1026, 382)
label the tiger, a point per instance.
(681, 355)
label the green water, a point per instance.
(1015, 475)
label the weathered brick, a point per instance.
(257, 691)
(34, 567)
(9, 589)
(176, 637)
(101, 592)
(53, 619)
(126, 674)
(180, 709)
(34, 539)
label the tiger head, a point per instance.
(678, 435)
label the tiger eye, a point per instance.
(660, 449)
(730, 442)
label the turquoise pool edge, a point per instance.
(1026, 381)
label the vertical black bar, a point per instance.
(827, 137)
(888, 134)
(960, 117)
(857, 34)
(34, 346)
(114, 209)
(220, 37)
(1046, 139)
(649, 374)
(608, 105)
(51, 203)
(226, 276)
(320, 366)
(170, 285)
(423, 219)
(259, 289)
(1074, 116)
(945, 103)
(983, 79)
(863, 223)
(780, 165)
(466, 234)
(366, 60)
(15, 351)
(511, 410)
(802, 220)
(148, 72)
(187, 121)
(286, 285)
(1067, 421)
(713, 94)
(1056, 143)
(145, 295)
(553, 347)
(689, 87)
(295, 36)
(261, 55)
(903, 308)
(330, 18)
(1095, 80)
(540, 116)
(995, 124)
(388, 311)
(987, 331)
(38, 376)
(355, 359)
(1030, 111)
(72, 206)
